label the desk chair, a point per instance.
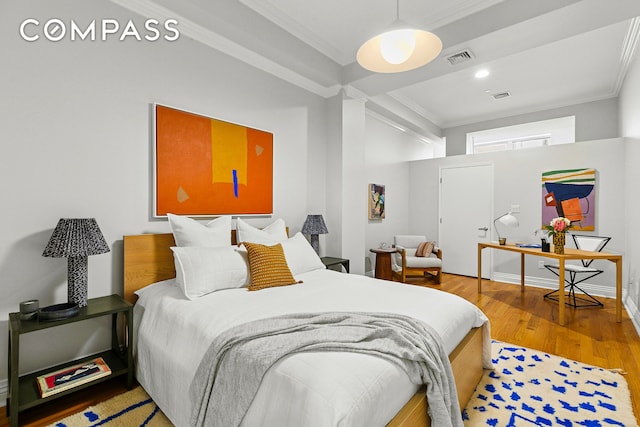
(573, 271)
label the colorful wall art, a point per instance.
(570, 193)
(208, 167)
(376, 201)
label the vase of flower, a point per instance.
(557, 228)
(558, 242)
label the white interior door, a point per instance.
(466, 206)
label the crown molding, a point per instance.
(463, 9)
(354, 93)
(282, 19)
(218, 42)
(213, 39)
(526, 110)
(398, 126)
(416, 108)
(628, 50)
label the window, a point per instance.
(527, 135)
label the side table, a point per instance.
(329, 262)
(23, 390)
(383, 262)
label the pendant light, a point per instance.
(400, 48)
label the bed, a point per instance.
(167, 344)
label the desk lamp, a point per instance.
(507, 220)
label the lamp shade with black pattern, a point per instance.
(76, 239)
(313, 226)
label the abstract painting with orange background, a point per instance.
(208, 167)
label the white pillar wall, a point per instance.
(334, 187)
(354, 184)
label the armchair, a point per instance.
(405, 263)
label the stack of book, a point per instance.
(72, 376)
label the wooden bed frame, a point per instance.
(149, 259)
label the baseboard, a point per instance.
(4, 388)
(633, 312)
(541, 282)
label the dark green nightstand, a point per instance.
(23, 390)
(330, 262)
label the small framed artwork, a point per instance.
(376, 201)
(208, 167)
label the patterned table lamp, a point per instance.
(314, 225)
(76, 239)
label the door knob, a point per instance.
(483, 228)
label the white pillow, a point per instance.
(300, 255)
(202, 270)
(189, 232)
(275, 232)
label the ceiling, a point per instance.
(545, 53)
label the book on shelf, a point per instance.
(72, 376)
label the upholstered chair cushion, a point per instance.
(423, 262)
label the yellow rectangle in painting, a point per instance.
(229, 152)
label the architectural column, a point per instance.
(346, 181)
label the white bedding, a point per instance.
(311, 389)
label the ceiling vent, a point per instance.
(462, 56)
(501, 95)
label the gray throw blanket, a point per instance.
(233, 367)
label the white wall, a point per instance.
(76, 118)
(517, 180)
(387, 152)
(594, 120)
(630, 130)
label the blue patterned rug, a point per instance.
(532, 388)
(131, 409)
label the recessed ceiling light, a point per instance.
(481, 74)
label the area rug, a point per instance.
(526, 388)
(130, 409)
(532, 388)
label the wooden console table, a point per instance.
(568, 254)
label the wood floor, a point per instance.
(591, 336)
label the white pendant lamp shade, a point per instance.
(397, 46)
(400, 48)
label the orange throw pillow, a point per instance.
(267, 266)
(425, 249)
